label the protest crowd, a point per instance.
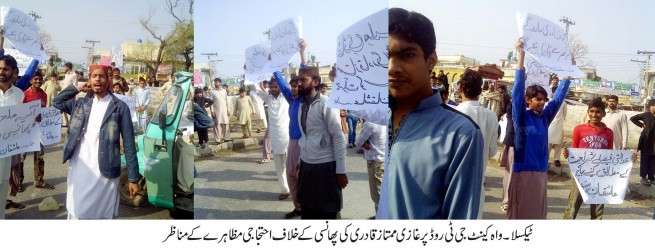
(100, 114)
(441, 143)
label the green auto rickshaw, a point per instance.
(165, 160)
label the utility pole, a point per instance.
(34, 15)
(91, 49)
(568, 22)
(210, 62)
(645, 71)
(642, 64)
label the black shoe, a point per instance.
(372, 217)
(292, 214)
(557, 163)
(20, 188)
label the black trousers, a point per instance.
(203, 135)
(318, 193)
(647, 167)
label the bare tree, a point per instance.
(170, 37)
(579, 52)
(46, 38)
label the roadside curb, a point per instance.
(233, 145)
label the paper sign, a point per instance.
(131, 103)
(50, 126)
(117, 55)
(537, 74)
(285, 43)
(23, 60)
(362, 65)
(197, 81)
(19, 131)
(602, 176)
(547, 43)
(258, 64)
(106, 61)
(22, 31)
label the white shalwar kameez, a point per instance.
(90, 195)
(278, 131)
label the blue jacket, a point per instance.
(294, 105)
(200, 118)
(434, 165)
(533, 156)
(117, 122)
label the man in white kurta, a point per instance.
(556, 134)
(142, 95)
(617, 121)
(69, 78)
(9, 95)
(278, 131)
(220, 111)
(258, 95)
(469, 90)
(89, 194)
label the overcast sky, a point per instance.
(71, 23)
(228, 27)
(487, 30)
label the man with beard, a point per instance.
(93, 148)
(278, 124)
(9, 95)
(117, 79)
(220, 111)
(435, 164)
(322, 173)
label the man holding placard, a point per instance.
(602, 181)
(35, 93)
(9, 95)
(93, 148)
(593, 134)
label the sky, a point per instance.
(228, 27)
(71, 23)
(487, 30)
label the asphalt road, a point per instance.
(235, 186)
(55, 174)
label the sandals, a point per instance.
(44, 185)
(283, 196)
(263, 161)
(292, 214)
(12, 204)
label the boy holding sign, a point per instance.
(35, 93)
(593, 135)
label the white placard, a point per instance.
(547, 43)
(602, 176)
(22, 31)
(50, 126)
(19, 131)
(23, 60)
(131, 103)
(117, 55)
(537, 75)
(362, 81)
(257, 63)
(285, 42)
